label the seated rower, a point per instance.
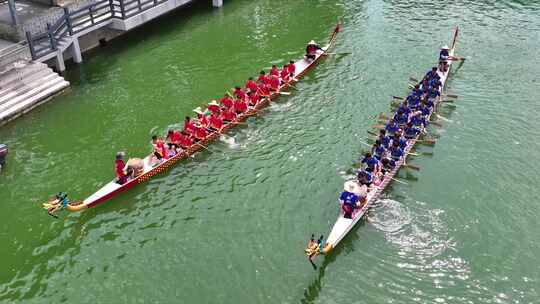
(387, 165)
(185, 140)
(372, 163)
(430, 74)
(159, 150)
(121, 177)
(284, 74)
(240, 106)
(253, 98)
(404, 107)
(189, 126)
(378, 150)
(311, 50)
(216, 123)
(201, 117)
(391, 127)
(264, 90)
(239, 93)
(411, 131)
(274, 71)
(214, 107)
(227, 101)
(251, 85)
(418, 120)
(396, 152)
(432, 92)
(263, 78)
(172, 139)
(228, 115)
(385, 140)
(365, 178)
(401, 117)
(348, 199)
(274, 83)
(292, 69)
(400, 140)
(200, 133)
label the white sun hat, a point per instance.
(445, 47)
(312, 42)
(198, 110)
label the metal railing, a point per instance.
(76, 21)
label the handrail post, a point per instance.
(91, 15)
(30, 45)
(111, 6)
(68, 21)
(122, 9)
(139, 5)
(51, 36)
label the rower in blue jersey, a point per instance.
(418, 120)
(417, 91)
(391, 127)
(433, 92)
(404, 107)
(431, 74)
(426, 110)
(411, 131)
(378, 150)
(387, 165)
(400, 140)
(372, 163)
(395, 151)
(401, 118)
(385, 139)
(365, 178)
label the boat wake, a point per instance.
(414, 229)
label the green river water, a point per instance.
(230, 226)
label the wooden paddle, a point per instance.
(284, 93)
(451, 95)
(379, 127)
(397, 97)
(413, 79)
(204, 147)
(416, 168)
(399, 181)
(427, 141)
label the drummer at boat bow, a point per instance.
(352, 197)
(311, 50)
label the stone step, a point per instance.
(20, 99)
(27, 84)
(32, 102)
(16, 74)
(27, 79)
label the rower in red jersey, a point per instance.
(251, 85)
(200, 133)
(159, 148)
(274, 71)
(189, 127)
(239, 93)
(213, 107)
(264, 90)
(227, 101)
(201, 117)
(263, 78)
(228, 115)
(284, 74)
(185, 140)
(216, 122)
(253, 98)
(240, 106)
(292, 68)
(274, 83)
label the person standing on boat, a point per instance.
(311, 50)
(121, 177)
